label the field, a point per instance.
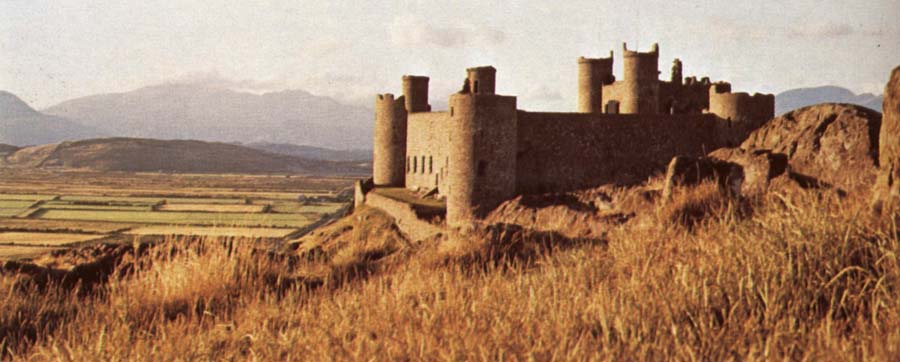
(60, 209)
(214, 231)
(53, 239)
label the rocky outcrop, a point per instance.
(688, 171)
(836, 144)
(887, 187)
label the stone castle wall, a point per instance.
(427, 159)
(567, 151)
(404, 216)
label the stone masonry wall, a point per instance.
(567, 151)
(404, 216)
(426, 150)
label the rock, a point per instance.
(685, 171)
(834, 143)
(760, 167)
(887, 187)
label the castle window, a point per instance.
(612, 107)
(423, 164)
(451, 111)
(475, 88)
(407, 164)
(415, 165)
(482, 168)
(430, 165)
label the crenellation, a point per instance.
(484, 150)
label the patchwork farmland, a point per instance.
(123, 207)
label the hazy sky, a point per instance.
(55, 50)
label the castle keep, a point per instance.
(483, 150)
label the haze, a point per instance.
(51, 51)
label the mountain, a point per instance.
(213, 113)
(313, 153)
(150, 155)
(801, 97)
(21, 125)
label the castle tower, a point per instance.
(593, 73)
(482, 170)
(415, 90)
(640, 81)
(389, 152)
(676, 72)
(482, 80)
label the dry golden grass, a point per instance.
(804, 277)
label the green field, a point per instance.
(181, 218)
(16, 204)
(151, 200)
(10, 212)
(290, 207)
(27, 197)
(62, 205)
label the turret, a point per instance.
(740, 107)
(415, 90)
(482, 80)
(593, 73)
(389, 153)
(640, 81)
(676, 72)
(482, 171)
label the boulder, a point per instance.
(687, 171)
(760, 167)
(887, 187)
(834, 143)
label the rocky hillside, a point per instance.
(835, 143)
(149, 155)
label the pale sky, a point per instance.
(54, 50)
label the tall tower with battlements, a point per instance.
(593, 73)
(640, 81)
(483, 133)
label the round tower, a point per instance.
(389, 150)
(676, 72)
(593, 73)
(640, 81)
(482, 170)
(415, 90)
(482, 80)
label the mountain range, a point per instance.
(801, 97)
(22, 125)
(210, 113)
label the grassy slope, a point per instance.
(801, 277)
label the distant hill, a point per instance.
(313, 153)
(149, 155)
(21, 125)
(211, 113)
(802, 97)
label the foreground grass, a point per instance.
(804, 277)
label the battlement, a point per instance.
(482, 80)
(415, 91)
(741, 106)
(597, 61)
(654, 51)
(593, 74)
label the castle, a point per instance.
(483, 150)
